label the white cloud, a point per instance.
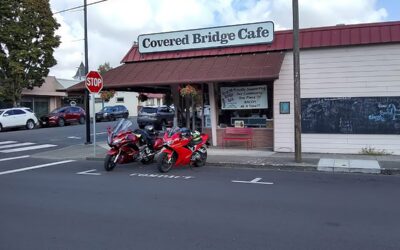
(114, 25)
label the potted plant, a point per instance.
(106, 95)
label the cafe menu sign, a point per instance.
(248, 97)
(234, 35)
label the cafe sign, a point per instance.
(247, 97)
(234, 35)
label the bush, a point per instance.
(373, 151)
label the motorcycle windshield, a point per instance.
(123, 125)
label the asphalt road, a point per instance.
(58, 204)
(76, 205)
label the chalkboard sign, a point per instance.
(352, 115)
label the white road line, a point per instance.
(74, 137)
(27, 148)
(14, 158)
(255, 181)
(35, 167)
(17, 145)
(6, 142)
(89, 172)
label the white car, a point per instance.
(17, 117)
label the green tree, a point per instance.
(103, 68)
(27, 43)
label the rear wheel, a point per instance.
(81, 120)
(30, 124)
(165, 164)
(109, 163)
(61, 122)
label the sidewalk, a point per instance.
(382, 164)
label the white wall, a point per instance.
(338, 72)
(130, 102)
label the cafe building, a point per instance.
(350, 82)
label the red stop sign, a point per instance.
(94, 82)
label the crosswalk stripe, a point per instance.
(6, 142)
(35, 167)
(15, 158)
(27, 148)
(17, 145)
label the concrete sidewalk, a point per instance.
(230, 157)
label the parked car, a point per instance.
(157, 116)
(64, 115)
(111, 113)
(17, 117)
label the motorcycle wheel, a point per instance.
(148, 160)
(203, 158)
(163, 164)
(109, 164)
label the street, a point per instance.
(61, 204)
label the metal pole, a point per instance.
(87, 106)
(94, 125)
(296, 72)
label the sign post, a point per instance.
(94, 83)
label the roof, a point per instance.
(246, 67)
(332, 36)
(66, 83)
(50, 87)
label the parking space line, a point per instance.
(35, 167)
(17, 145)
(15, 158)
(27, 148)
(254, 181)
(6, 142)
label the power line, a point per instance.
(74, 8)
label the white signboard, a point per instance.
(248, 97)
(244, 34)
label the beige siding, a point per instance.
(338, 72)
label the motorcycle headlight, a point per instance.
(117, 141)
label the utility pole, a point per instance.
(86, 71)
(296, 76)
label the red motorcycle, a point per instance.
(182, 147)
(127, 146)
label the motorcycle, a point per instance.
(182, 147)
(127, 146)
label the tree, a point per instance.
(27, 43)
(103, 68)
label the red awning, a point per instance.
(228, 68)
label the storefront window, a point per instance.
(249, 105)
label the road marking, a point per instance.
(88, 172)
(255, 181)
(17, 145)
(74, 137)
(14, 158)
(6, 142)
(100, 133)
(27, 148)
(162, 176)
(35, 167)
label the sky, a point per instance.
(114, 25)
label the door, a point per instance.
(20, 117)
(8, 119)
(68, 114)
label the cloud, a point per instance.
(114, 25)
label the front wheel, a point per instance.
(30, 124)
(165, 164)
(202, 157)
(109, 163)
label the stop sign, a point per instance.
(94, 82)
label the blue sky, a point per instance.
(392, 7)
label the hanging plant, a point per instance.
(142, 97)
(189, 90)
(106, 95)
